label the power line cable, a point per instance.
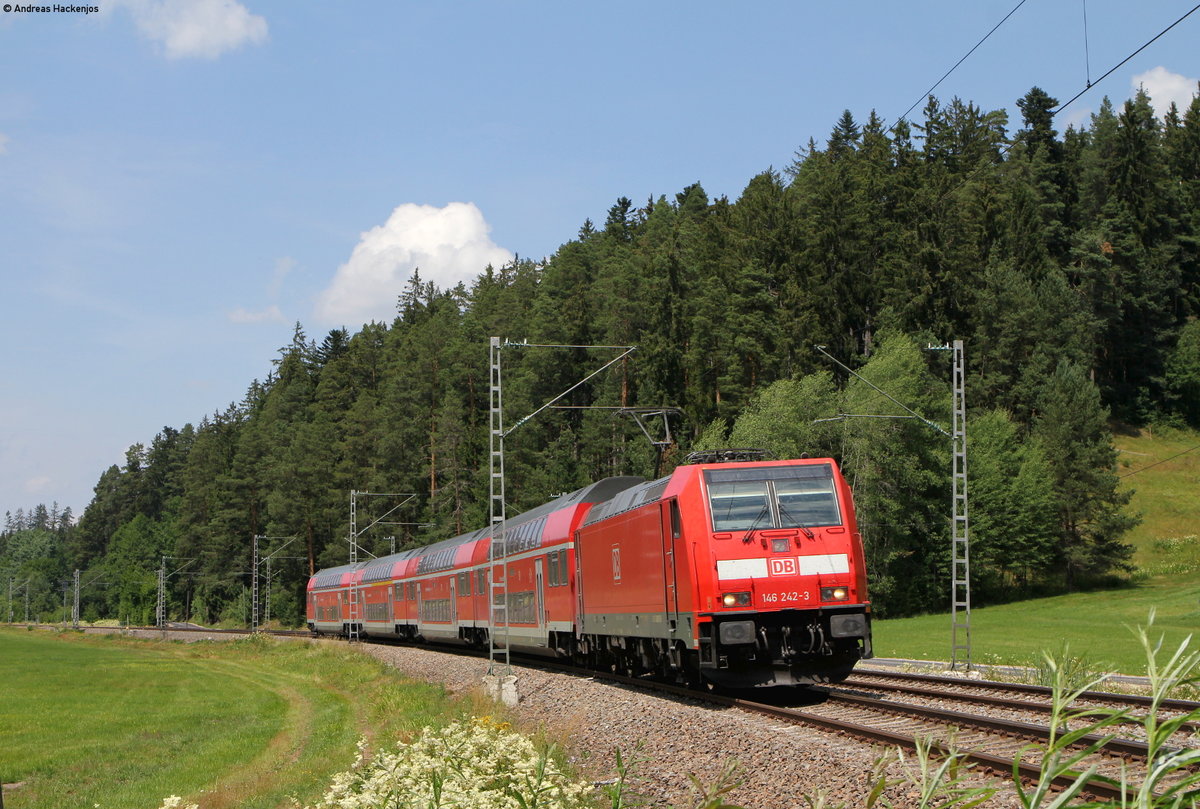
(927, 93)
(1118, 65)
(1087, 54)
(1156, 463)
(1004, 150)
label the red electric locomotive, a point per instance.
(741, 574)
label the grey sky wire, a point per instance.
(1114, 68)
(1156, 463)
(1004, 150)
(1087, 54)
(927, 93)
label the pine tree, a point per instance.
(1013, 541)
(1183, 375)
(1072, 428)
(898, 469)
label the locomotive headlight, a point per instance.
(835, 594)
(735, 599)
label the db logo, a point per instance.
(783, 567)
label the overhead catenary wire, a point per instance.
(1006, 148)
(1087, 54)
(1118, 65)
(946, 75)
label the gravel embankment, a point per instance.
(777, 763)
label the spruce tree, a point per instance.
(1072, 428)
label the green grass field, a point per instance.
(1162, 467)
(113, 722)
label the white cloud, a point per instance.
(37, 485)
(272, 314)
(269, 315)
(1080, 118)
(196, 28)
(283, 266)
(1163, 86)
(447, 245)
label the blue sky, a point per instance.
(181, 181)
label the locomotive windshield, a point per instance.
(772, 497)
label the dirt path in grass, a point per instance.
(275, 768)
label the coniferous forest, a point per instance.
(1068, 263)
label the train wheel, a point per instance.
(690, 674)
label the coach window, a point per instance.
(676, 521)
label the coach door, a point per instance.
(453, 600)
(672, 530)
(540, 598)
(577, 583)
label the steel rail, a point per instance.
(1098, 696)
(1005, 702)
(1013, 727)
(1003, 764)
(1095, 785)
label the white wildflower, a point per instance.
(480, 765)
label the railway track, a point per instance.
(1024, 699)
(1001, 746)
(976, 690)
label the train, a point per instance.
(727, 572)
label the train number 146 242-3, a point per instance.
(794, 595)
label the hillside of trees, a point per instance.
(1069, 263)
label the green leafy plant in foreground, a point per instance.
(1169, 780)
(618, 791)
(1060, 756)
(940, 783)
(712, 796)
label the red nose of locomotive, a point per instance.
(789, 590)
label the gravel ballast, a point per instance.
(778, 763)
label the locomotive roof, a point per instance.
(632, 497)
